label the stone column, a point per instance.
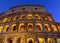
(36, 39)
(35, 27)
(17, 26)
(10, 27)
(25, 27)
(26, 24)
(3, 27)
(5, 40)
(15, 39)
(25, 39)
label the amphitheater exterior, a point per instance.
(28, 24)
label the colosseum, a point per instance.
(28, 24)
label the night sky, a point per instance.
(52, 6)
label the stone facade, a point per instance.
(28, 24)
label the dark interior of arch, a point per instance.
(14, 28)
(30, 41)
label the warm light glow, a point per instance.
(5, 28)
(16, 17)
(43, 17)
(1, 27)
(39, 26)
(49, 18)
(21, 26)
(41, 40)
(9, 19)
(30, 39)
(58, 40)
(1, 40)
(22, 16)
(37, 16)
(59, 27)
(29, 16)
(13, 26)
(47, 27)
(10, 40)
(5, 19)
(22, 40)
(30, 26)
(54, 28)
(50, 40)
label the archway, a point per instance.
(13, 27)
(39, 26)
(37, 16)
(30, 27)
(41, 40)
(30, 16)
(22, 16)
(10, 40)
(47, 27)
(30, 40)
(51, 40)
(21, 27)
(6, 28)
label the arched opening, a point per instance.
(6, 28)
(58, 27)
(30, 16)
(50, 18)
(1, 27)
(41, 40)
(5, 19)
(51, 40)
(16, 17)
(36, 8)
(13, 27)
(37, 16)
(30, 40)
(47, 27)
(30, 27)
(39, 26)
(54, 28)
(22, 17)
(10, 40)
(22, 27)
(9, 19)
(18, 41)
(44, 17)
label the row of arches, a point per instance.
(29, 27)
(32, 40)
(29, 16)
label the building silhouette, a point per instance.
(28, 24)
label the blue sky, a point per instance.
(52, 6)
